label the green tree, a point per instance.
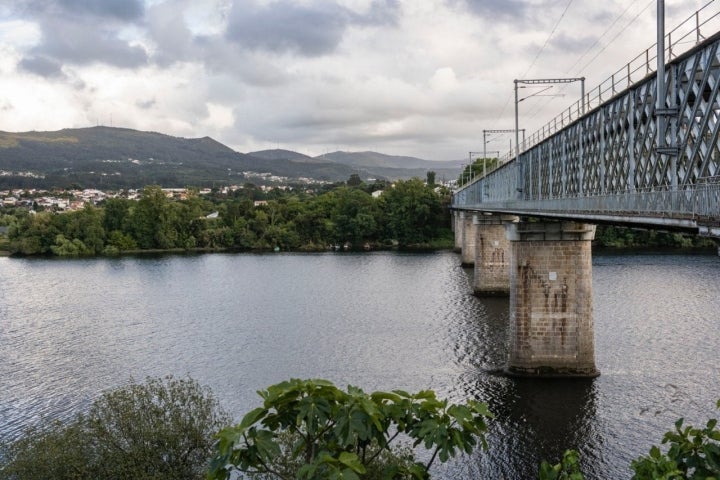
(117, 212)
(85, 226)
(69, 248)
(33, 234)
(354, 180)
(60, 451)
(354, 213)
(342, 434)
(413, 211)
(430, 178)
(161, 429)
(477, 168)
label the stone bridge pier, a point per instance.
(546, 269)
(492, 255)
(457, 228)
(551, 303)
(468, 238)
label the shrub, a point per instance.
(161, 429)
(310, 429)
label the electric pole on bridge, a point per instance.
(543, 81)
(662, 113)
(485, 142)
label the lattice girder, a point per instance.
(612, 151)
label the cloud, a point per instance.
(310, 30)
(569, 43)
(400, 76)
(492, 9)
(80, 43)
(173, 39)
(43, 66)
(146, 104)
(124, 10)
(81, 32)
(278, 27)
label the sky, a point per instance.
(422, 78)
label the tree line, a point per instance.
(409, 213)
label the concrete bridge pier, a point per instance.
(469, 236)
(492, 256)
(551, 305)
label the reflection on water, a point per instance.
(238, 323)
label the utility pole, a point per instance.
(662, 113)
(542, 81)
(485, 141)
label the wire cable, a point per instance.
(537, 56)
(547, 40)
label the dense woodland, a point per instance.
(408, 214)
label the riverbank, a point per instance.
(442, 244)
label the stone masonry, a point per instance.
(492, 256)
(467, 254)
(457, 229)
(551, 307)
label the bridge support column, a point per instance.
(458, 229)
(551, 309)
(468, 240)
(492, 256)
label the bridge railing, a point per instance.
(691, 203)
(692, 31)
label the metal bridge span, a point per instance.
(605, 166)
(629, 160)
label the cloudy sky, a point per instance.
(403, 77)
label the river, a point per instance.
(70, 329)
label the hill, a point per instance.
(107, 157)
(280, 154)
(375, 159)
(394, 167)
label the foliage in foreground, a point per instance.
(161, 429)
(567, 469)
(339, 434)
(693, 454)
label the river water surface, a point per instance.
(70, 329)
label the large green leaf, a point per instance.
(352, 461)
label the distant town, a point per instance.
(67, 200)
(62, 200)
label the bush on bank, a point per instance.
(160, 429)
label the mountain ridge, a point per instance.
(116, 157)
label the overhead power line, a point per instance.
(534, 112)
(607, 30)
(547, 40)
(537, 55)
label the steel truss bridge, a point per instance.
(607, 165)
